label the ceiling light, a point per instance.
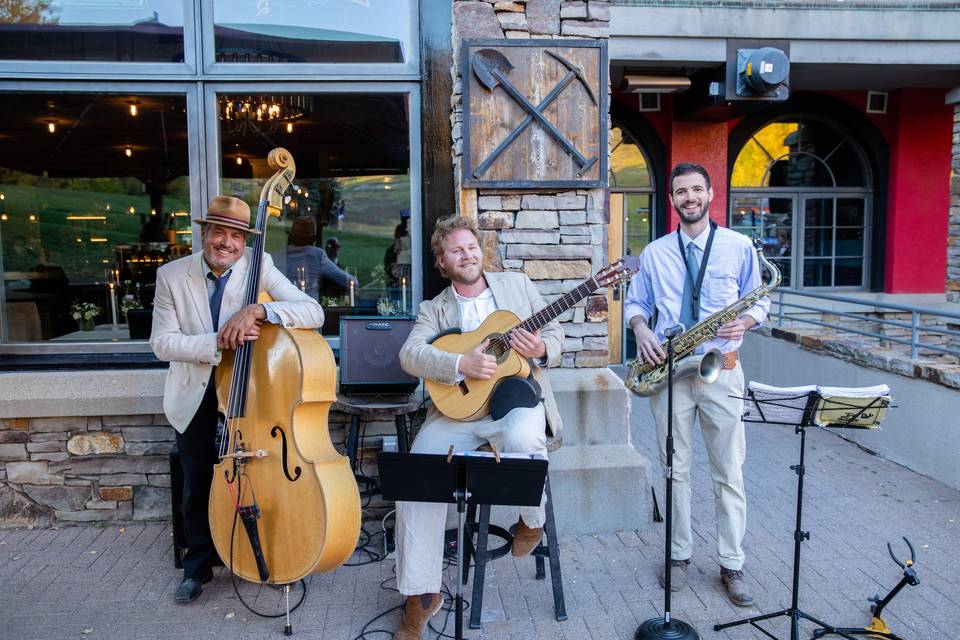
(32, 217)
(86, 217)
(239, 160)
(52, 126)
(289, 127)
(128, 152)
(653, 83)
(132, 210)
(4, 217)
(133, 109)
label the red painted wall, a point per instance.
(704, 143)
(919, 194)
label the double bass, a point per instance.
(283, 502)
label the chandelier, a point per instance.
(261, 114)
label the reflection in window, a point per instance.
(798, 154)
(312, 31)
(88, 30)
(93, 193)
(628, 165)
(801, 186)
(349, 214)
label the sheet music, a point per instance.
(781, 405)
(861, 407)
(489, 454)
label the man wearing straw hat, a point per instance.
(197, 312)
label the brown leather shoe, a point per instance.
(736, 586)
(525, 539)
(417, 612)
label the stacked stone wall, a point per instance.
(75, 469)
(558, 237)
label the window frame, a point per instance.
(410, 90)
(800, 194)
(408, 70)
(68, 69)
(191, 94)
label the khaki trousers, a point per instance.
(420, 525)
(725, 442)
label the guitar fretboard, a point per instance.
(561, 304)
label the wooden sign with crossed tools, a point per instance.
(535, 113)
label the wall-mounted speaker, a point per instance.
(370, 355)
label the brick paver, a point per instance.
(118, 582)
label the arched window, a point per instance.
(802, 185)
(630, 175)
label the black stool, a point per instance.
(360, 410)
(481, 554)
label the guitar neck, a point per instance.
(558, 306)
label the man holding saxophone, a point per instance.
(684, 278)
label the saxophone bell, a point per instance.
(707, 369)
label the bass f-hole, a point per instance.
(283, 453)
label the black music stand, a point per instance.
(472, 477)
(802, 410)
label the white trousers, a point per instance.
(723, 436)
(420, 525)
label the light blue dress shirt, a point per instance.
(732, 271)
(272, 316)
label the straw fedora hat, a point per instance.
(228, 211)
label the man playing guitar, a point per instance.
(473, 294)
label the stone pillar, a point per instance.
(953, 235)
(559, 238)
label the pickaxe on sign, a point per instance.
(491, 67)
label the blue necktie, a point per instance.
(688, 315)
(219, 284)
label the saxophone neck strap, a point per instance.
(695, 286)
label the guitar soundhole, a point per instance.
(498, 347)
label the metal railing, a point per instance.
(814, 5)
(782, 309)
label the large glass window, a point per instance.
(92, 30)
(94, 197)
(802, 186)
(319, 31)
(630, 175)
(349, 214)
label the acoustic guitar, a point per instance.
(470, 398)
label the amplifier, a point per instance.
(370, 355)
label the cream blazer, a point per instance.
(512, 292)
(183, 332)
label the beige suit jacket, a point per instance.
(183, 332)
(512, 292)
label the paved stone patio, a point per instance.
(113, 582)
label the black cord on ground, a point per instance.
(233, 575)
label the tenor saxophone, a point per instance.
(646, 379)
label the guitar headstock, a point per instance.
(281, 161)
(617, 271)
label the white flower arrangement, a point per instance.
(128, 303)
(84, 311)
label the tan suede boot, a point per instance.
(417, 612)
(525, 539)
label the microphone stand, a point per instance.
(667, 627)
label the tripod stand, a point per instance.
(807, 419)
